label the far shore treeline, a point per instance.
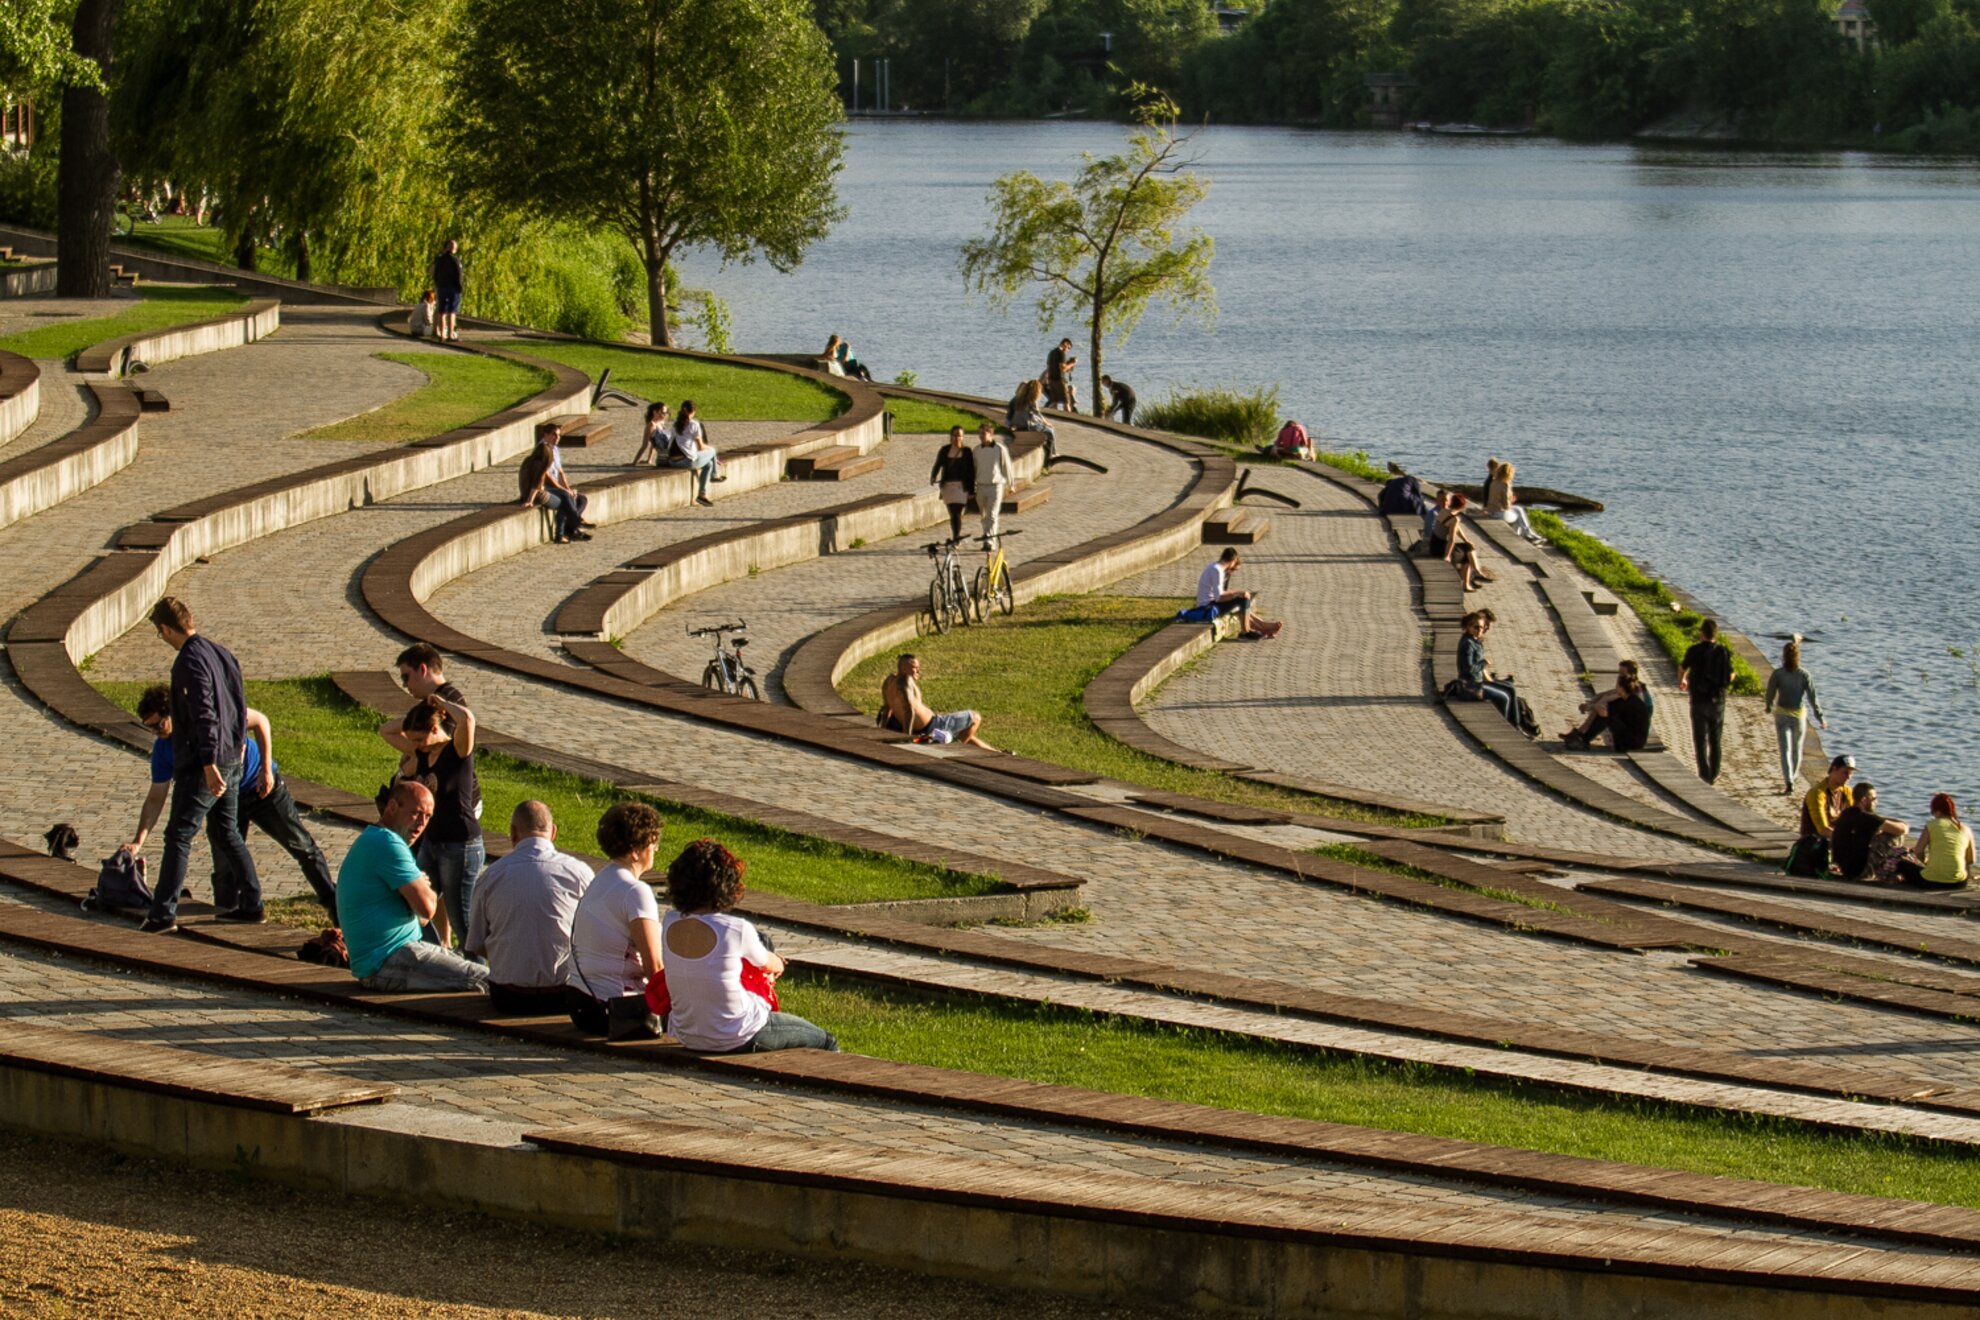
(576, 146)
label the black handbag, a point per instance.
(626, 1016)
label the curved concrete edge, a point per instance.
(29, 281)
(113, 357)
(87, 456)
(20, 394)
(151, 264)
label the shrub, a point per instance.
(1245, 418)
(27, 189)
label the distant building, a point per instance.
(1386, 94)
(16, 124)
(1853, 21)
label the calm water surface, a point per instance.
(1765, 365)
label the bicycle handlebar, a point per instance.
(718, 629)
(1008, 531)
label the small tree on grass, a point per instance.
(678, 123)
(1107, 244)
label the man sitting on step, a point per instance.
(1214, 588)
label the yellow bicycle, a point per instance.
(993, 580)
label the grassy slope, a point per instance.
(460, 388)
(1074, 1048)
(1060, 645)
(178, 236)
(158, 307)
(321, 736)
(719, 391)
(920, 417)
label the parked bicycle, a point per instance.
(993, 580)
(948, 598)
(727, 672)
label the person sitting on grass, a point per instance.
(615, 929)
(720, 985)
(1943, 857)
(1864, 845)
(382, 899)
(1213, 587)
(903, 710)
(1293, 442)
(1624, 711)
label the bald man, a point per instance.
(383, 900)
(521, 918)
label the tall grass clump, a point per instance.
(1241, 418)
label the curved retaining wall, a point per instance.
(20, 394)
(113, 357)
(28, 281)
(48, 474)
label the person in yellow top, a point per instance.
(1824, 802)
(1944, 852)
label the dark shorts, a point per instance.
(449, 302)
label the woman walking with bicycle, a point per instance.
(993, 475)
(955, 473)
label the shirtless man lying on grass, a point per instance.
(903, 709)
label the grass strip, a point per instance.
(1058, 645)
(1673, 625)
(322, 735)
(1356, 463)
(158, 307)
(922, 417)
(720, 391)
(460, 388)
(1073, 1047)
(182, 236)
(1372, 861)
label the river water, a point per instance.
(1768, 366)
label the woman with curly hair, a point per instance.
(615, 932)
(712, 957)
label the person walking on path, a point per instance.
(209, 731)
(540, 478)
(265, 801)
(1791, 696)
(954, 474)
(447, 286)
(1120, 399)
(521, 922)
(1213, 587)
(382, 898)
(1707, 675)
(1944, 855)
(993, 477)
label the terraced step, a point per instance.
(580, 431)
(152, 400)
(839, 463)
(1236, 527)
(1026, 498)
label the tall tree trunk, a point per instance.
(299, 249)
(1093, 347)
(654, 253)
(86, 178)
(244, 246)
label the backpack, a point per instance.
(120, 885)
(1402, 494)
(1197, 614)
(1292, 436)
(1809, 858)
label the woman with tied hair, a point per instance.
(1944, 851)
(1027, 413)
(1501, 503)
(1790, 696)
(692, 450)
(713, 958)
(658, 438)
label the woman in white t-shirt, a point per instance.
(708, 950)
(615, 932)
(693, 451)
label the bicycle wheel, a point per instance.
(1005, 597)
(960, 595)
(938, 605)
(749, 689)
(979, 593)
(711, 678)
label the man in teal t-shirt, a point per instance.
(382, 898)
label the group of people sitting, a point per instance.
(681, 442)
(1444, 534)
(1842, 834)
(537, 930)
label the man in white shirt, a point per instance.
(993, 478)
(521, 917)
(1214, 588)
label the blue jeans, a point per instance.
(703, 467)
(788, 1031)
(567, 511)
(193, 805)
(412, 968)
(1790, 732)
(453, 868)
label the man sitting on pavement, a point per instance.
(382, 899)
(904, 709)
(521, 920)
(1214, 588)
(265, 801)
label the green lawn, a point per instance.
(1059, 645)
(157, 308)
(720, 392)
(1076, 1048)
(178, 236)
(921, 417)
(460, 388)
(322, 736)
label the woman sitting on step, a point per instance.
(1475, 680)
(1501, 503)
(1451, 543)
(1624, 711)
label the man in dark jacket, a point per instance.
(447, 286)
(1707, 674)
(209, 734)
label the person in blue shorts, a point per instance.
(447, 286)
(900, 693)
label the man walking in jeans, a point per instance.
(1707, 674)
(209, 733)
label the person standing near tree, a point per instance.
(1707, 674)
(448, 285)
(1059, 364)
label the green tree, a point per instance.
(677, 123)
(35, 53)
(1106, 245)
